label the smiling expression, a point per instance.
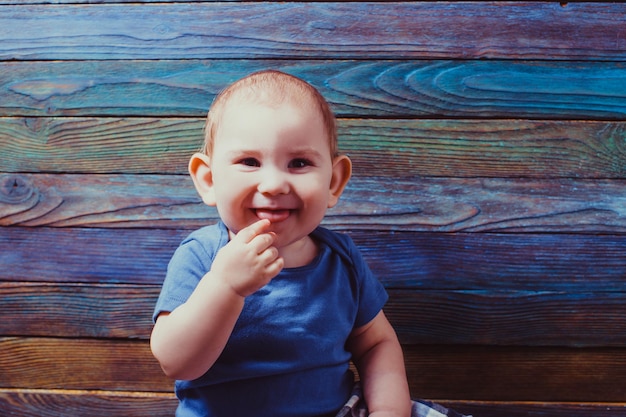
(272, 161)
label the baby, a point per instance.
(261, 313)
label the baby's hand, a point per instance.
(249, 261)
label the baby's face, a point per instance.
(272, 162)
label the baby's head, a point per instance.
(271, 153)
(271, 88)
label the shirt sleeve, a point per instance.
(191, 261)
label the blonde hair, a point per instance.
(272, 87)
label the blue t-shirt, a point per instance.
(286, 355)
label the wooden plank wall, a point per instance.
(489, 144)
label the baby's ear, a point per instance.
(202, 176)
(342, 171)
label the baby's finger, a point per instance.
(275, 266)
(263, 242)
(269, 254)
(250, 232)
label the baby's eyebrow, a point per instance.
(305, 151)
(242, 151)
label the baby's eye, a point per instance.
(300, 163)
(250, 162)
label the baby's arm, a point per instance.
(188, 341)
(378, 357)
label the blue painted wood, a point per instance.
(368, 203)
(403, 260)
(385, 88)
(499, 317)
(509, 232)
(293, 29)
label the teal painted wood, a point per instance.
(429, 261)
(94, 145)
(468, 89)
(338, 30)
(382, 148)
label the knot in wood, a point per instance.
(15, 189)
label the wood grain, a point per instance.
(355, 88)
(509, 317)
(420, 204)
(384, 148)
(471, 261)
(450, 372)
(492, 373)
(338, 30)
(481, 317)
(99, 145)
(484, 148)
(48, 403)
(77, 310)
(464, 261)
(127, 256)
(83, 364)
(63, 403)
(489, 192)
(536, 409)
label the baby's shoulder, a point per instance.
(338, 242)
(208, 239)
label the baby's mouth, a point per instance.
(273, 215)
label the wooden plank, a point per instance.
(77, 310)
(536, 409)
(105, 1)
(450, 372)
(62, 403)
(99, 145)
(386, 88)
(484, 148)
(523, 318)
(87, 255)
(83, 364)
(388, 148)
(338, 30)
(46, 403)
(524, 262)
(420, 204)
(516, 373)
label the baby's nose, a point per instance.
(273, 181)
